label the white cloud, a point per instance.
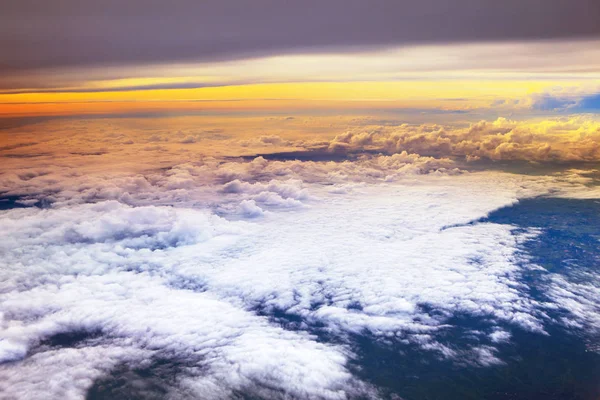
(173, 263)
(578, 298)
(248, 208)
(183, 281)
(124, 287)
(499, 336)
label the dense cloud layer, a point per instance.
(162, 282)
(140, 146)
(232, 275)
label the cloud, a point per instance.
(210, 31)
(547, 102)
(107, 282)
(188, 139)
(578, 298)
(248, 208)
(256, 275)
(163, 281)
(270, 140)
(499, 336)
(552, 140)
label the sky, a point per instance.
(290, 199)
(79, 57)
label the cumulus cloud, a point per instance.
(159, 281)
(248, 208)
(237, 270)
(108, 276)
(188, 139)
(569, 139)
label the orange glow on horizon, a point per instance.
(447, 95)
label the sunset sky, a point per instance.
(299, 199)
(79, 58)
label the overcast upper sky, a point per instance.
(68, 33)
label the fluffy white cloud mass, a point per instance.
(230, 269)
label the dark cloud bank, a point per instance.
(37, 34)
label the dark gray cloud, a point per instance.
(36, 34)
(185, 85)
